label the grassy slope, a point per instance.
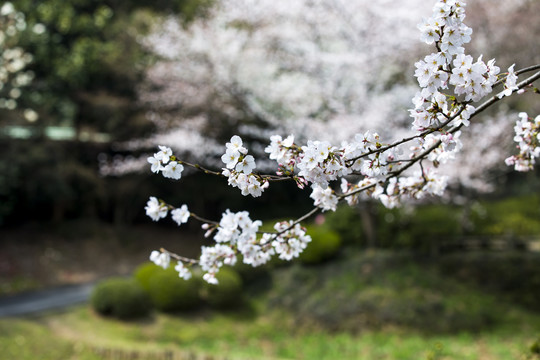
(369, 306)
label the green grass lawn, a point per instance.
(364, 306)
(80, 334)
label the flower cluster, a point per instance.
(416, 186)
(528, 139)
(157, 210)
(446, 146)
(239, 168)
(290, 241)
(236, 234)
(449, 66)
(362, 155)
(163, 259)
(182, 270)
(510, 83)
(214, 257)
(324, 198)
(473, 80)
(165, 162)
(281, 150)
(318, 163)
(363, 189)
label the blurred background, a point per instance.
(89, 88)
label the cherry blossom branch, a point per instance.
(482, 107)
(203, 220)
(265, 242)
(178, 257)
(520, 85)
(298, 221)
(528, 69)
(406, 140)
(318, 164)
(200, 168)
(479, 109)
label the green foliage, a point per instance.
(325, 244)
(535, 348)
(87, 64)
(121, 298)
(426, 226)
(346, 222)
(250, 274)
(228, 293)
(514, 276)
(167, 291)
(144, 274)
(375, 290)
(391, 231)
(89, 49)
(516, 216)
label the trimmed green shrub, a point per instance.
(324, 245)
(144, 274)
(228, 293)
(121, 298)
(167, 291)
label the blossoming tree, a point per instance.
(454, 89)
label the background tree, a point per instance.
(86, 66)
(316, 70)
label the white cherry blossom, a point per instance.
(155, 210)
(173, 170)
(230, 158)
(164, 154)
(183, 271)
(180, 215)
(246, 165)
(161, 259)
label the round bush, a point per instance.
(226, 294)
(324, 245)
(144, 274)
(121, 298)
(170, 293)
